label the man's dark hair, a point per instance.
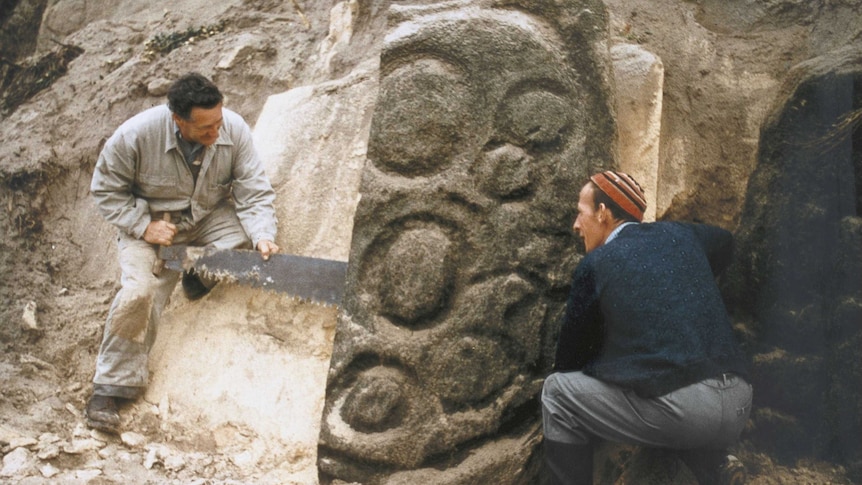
(599, 197)
(190, 91)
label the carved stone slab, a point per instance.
(489, 119)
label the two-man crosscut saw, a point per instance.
(315, 279)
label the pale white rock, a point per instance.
(80, 431)
(158, 87)
(108, 451)
(127, 457)
(234, 56)
(246, 46)
(100, 435)
(88, 474)
(639, 78)
(132, 439)
(243, 459)
(73, 410)
(341, 19)
(17, 462)
(164, 408)
(48, 452)
(48, 438)
(174, 462)
(328, 124)
(48, 470)
(22, 442)
(159, 453)
(79, 446)
(28, 318)
(151, 459)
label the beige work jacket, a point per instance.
(141, 171)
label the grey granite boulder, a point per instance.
(489, 119)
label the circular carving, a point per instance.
(468, 369)
(415, 274)
(375, 401)
(419, 123)
(535, 119)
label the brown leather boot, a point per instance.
(102, 413)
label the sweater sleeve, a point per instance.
(581, 331)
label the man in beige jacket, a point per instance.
(186, 172)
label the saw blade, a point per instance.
(315, 279)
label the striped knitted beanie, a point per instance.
(623, 190)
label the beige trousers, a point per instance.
(130, 330)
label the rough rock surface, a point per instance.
(798, 274)
(486, 119)
(639, 82)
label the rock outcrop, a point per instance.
(489, 117)
(797, 281)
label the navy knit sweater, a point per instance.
(645, 312)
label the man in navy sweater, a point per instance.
(646, 353)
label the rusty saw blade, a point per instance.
(318, 280)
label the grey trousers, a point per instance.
(130, 330)
(709, 414)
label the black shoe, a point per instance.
(567, 463)
(714, 467)
(102, 414)
(193, 287)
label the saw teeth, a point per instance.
(244, 267)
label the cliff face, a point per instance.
(796, 281)
(747, 119)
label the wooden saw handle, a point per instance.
(159, 263)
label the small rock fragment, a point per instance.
(80, 446)
(48, 452)
(72, 410)
(158, 87)
(100, 435)
(174, 462)
(151, 459)
(108, 451)
(87, 475)
(21, 442)
(133, 439)
(29, 316)
(16, 462)
(48, 470)
(48, 438)
(164, 407)
(80, 431)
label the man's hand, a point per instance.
(160, 232)
(266, 248)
